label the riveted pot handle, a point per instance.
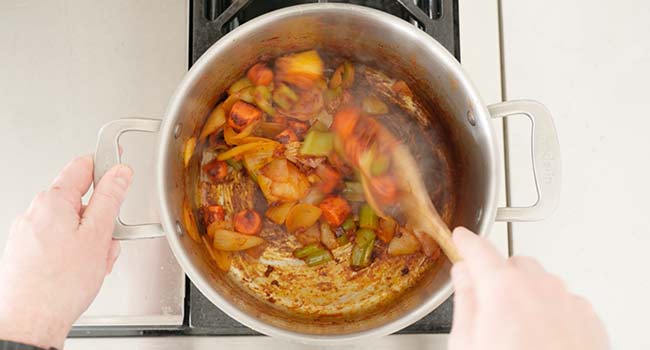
(107, 154)
(546, 160)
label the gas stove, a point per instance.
(161, 301)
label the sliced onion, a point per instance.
(404, 245)
(429, 246)
(314, 197)
(265, 185)
(327, 237)
(232, 138)
(232, 241)
(278, 213)
(277, 170)
(188, 150)
(215, 121)
(190, 222)
(302, 216)
(260, 157)
(223, 259)
(242, 149)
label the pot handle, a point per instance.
(546, 160)
(107, 154)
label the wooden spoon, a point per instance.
(417, 205)
(413, 197)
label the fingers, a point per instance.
(464, 306)
(479, 255)
(113, 254)
(527, 264)
(104, 204)
(74, 180)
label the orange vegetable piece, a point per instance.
(217, 170)
(335, 210)
(286, 136)
(256, 251)
(345, 121)
(213, 213)
(242, 115)
(330, 178)
(401, 88)
(260, 74)
(248, 222)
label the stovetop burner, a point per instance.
(212, 19)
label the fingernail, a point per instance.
(459, 232)
(123, 175)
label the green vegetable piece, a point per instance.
(362, 249)
(367, 217)
(349, 225)
(317, 143)
(353, 191)
(236, 165)
(342, 240)
(307, 250)
(318, 258)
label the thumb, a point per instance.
(108, 195)
(464, 307)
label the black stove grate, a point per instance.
(212, 19)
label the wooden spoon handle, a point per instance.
(425, 218)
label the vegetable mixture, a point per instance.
(306, 140)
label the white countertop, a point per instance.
(589, 62)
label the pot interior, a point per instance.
(457, 162)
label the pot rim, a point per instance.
(166, 131)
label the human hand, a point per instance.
(514, 304)
(58, 253)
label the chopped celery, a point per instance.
(342, 239)
(318, 258)
(317, 143)
(353, 191)
(349, 225)
(367, 217)
(307, 250)
(362, 249)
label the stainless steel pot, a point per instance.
(365, 35)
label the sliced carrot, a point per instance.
(286, 136)
(335, 210)
(260, 74)
(345, 121)
(242, 115)
(213, 213)
(248, 222)
(330, 178)
(217, 170)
